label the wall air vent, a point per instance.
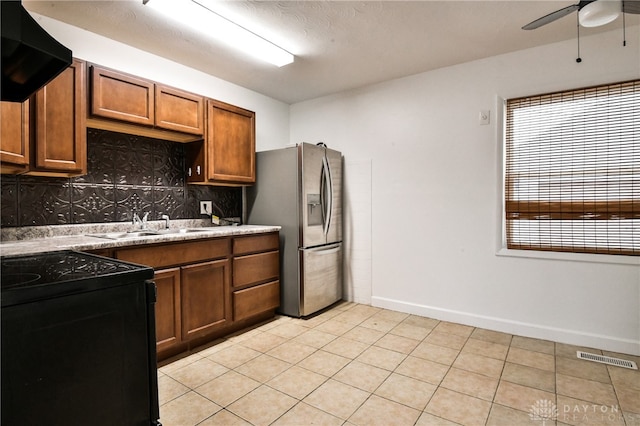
(607, 360)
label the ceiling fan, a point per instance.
(591, 13)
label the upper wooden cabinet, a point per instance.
(231, 143)
(221, 137)
(227, 155)
(14, 137)
(121, 97)
(129, 99)
(53, 123)
(179, 110)
(60, 138)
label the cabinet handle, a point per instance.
(198, 170)
(189, 171)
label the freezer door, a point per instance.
(320, 277)
(321, 197)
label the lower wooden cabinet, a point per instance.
(256, 275)
(209, 288)
(168, 319)
(256, 268)
(205, 295)
(255, 300)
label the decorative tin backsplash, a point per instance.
(126, 173)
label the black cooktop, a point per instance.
(28, 278)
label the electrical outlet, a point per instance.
(206, 208)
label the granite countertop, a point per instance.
(42, 239)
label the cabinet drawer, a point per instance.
(256, 268)
(121, 97)
(256, 243)
(255, 300)
(176, 254)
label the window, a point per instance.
(572, 172)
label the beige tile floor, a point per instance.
(359, 365)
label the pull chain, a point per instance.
(578, 59)
(624, 27)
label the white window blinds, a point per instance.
(572, 178)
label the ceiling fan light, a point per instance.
(599, 12)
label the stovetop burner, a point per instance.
(12, 280)
(50, 272)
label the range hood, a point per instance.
(30, 56)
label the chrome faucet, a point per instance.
(165, 217)
(141, 222)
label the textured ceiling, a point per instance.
(338, 45)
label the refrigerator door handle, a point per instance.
(333, 248)
(326, 194)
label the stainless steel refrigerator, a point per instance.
(300, 189)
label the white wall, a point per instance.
(272, 116)
(416, 160)
(435, 216)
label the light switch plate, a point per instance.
(484, 117)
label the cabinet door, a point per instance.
(178, 110)
(121, 97)
(60, 140)
(168, 321)
(206, 301)
(14, 137)
(231, 149)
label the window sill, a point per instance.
(576, 257)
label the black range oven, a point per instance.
(78, 341)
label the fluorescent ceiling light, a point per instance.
(201, 18)
(599, 12)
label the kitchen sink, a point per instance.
(179, 231)
(123, 235)
(138, 234)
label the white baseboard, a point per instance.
(571, 337)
